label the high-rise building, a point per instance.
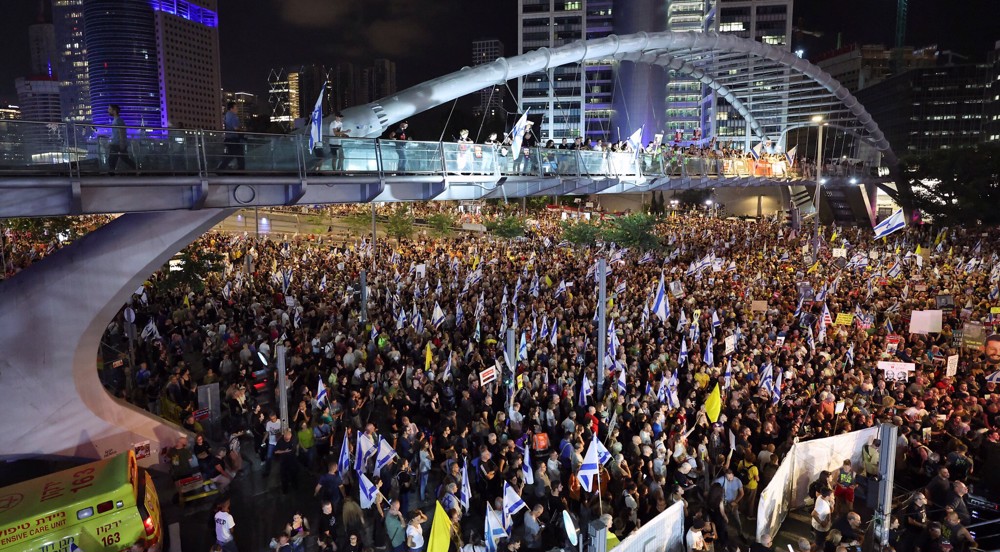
(292, 93)
(157, 59)
(341, 86)
(932, 108)
(859, 66)
(768, 22)
(991, 121)
(605, 98)
(490, 98)
(42, 45)
(382, 79)
(187, 45)
(71, 54)
(39, 103)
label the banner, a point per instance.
(789, 487)
(664, 533)
(844, 319)
(926, 321)
(487, 375)
(896, 371)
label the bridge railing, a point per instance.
(77, 150)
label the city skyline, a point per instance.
(426, 43)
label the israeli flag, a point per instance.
(417, 321)
(494, 531)
(682, 358)
(994, 377)
(728, 384)
(480, 307)
(512, 502)
(603, 454)
(517, 135)
(534, 290)
(681, 322)
(437, 317)
(647, 258)
(517, 288)
(439, 289)
(892, 224)
(320, 393)
(316, 121)
(522, 349)
(364, 448)
(374, 334)
(227, 291)
(585, 390)
(561, 289)
(369, 492)
(715, 320)
(544, 333)
(673, 398)
(465, 491)
(756, 151)
(384, 456)
(477, 334)
(635, 141)
(459, 314)
(529, 474)
(776, 390)
(620, 288)
(798, 309)
(590, 468)
(622, 384)
(850, 354)
(553, 332)
(345, 455)
(790, 155)
(661, 304)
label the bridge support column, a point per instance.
(52, 318)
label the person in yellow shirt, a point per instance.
(702, 378)
(748, 473)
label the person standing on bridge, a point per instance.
(118, 150)
(401, 136)
(336, 146)
(232, 140)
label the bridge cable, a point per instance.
(445, 127)
(493, 89)
(628, 119)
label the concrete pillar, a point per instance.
(52, 318)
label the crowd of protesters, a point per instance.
(415, 381)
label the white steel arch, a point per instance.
(739, 70)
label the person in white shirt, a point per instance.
(695, 540)
(224, 524)
(415, 533)
(336, 146)
(822, 516)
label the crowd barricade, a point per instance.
(789, 487)
(664, 533)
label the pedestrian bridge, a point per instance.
(64, 169)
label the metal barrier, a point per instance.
(76, 150)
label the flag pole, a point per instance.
(602, 337)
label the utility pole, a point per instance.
(373, 237)
(511, 359)
(279, 355)
(886, 470)
(818, 119)
(602, 323)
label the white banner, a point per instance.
(790, 485)
(664, 533)
(897, 371)
(926, 321)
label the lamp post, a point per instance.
(818, 119)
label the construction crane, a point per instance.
(901, 6)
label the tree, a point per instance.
(400, 224)
(442, 224)
(507, 227)
(46, 229)
(583, 234)
(196, 263)
(359, 222)
(633, 231)
(955, 186)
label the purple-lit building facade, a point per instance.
(157, 59)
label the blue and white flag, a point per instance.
(894, 223)
(553, 332)
(529, 474)
(517, 135)
(512, 503)
(364, 449)
(790, 155)
(345, 455)
(767, 376)
(522, 349)
(369, 492)
(417, 321)
(465, 491)
(776, 390)
(561, 289)
(757, 150)
(709, 357)
(715, 320)
(647, 258)
(603, 454)
(320, 393)
(635, 141)
(681, 322)
(494, 530)
(459, 314)
(683, 356)
(437, 317)
(585, 390)
(620, 288)
(661, 304)
(384, 455)
(590, 468)
(316, 121)
(544, 333)
(622, 384)
(994, 377)
(517, 288)
(534, 286)
(728, 381)
(850, 354)
(477, 334)
(672, 396)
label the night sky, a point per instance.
(428, 38)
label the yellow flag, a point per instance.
(440, 538)
(833, 237)
(713, 404)
(813, 268)
(427, 358)
(917, 252)
(187, 301)
(548, 281)
(475, 263)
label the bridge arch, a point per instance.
(772, 89)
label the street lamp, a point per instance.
(818, 119)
